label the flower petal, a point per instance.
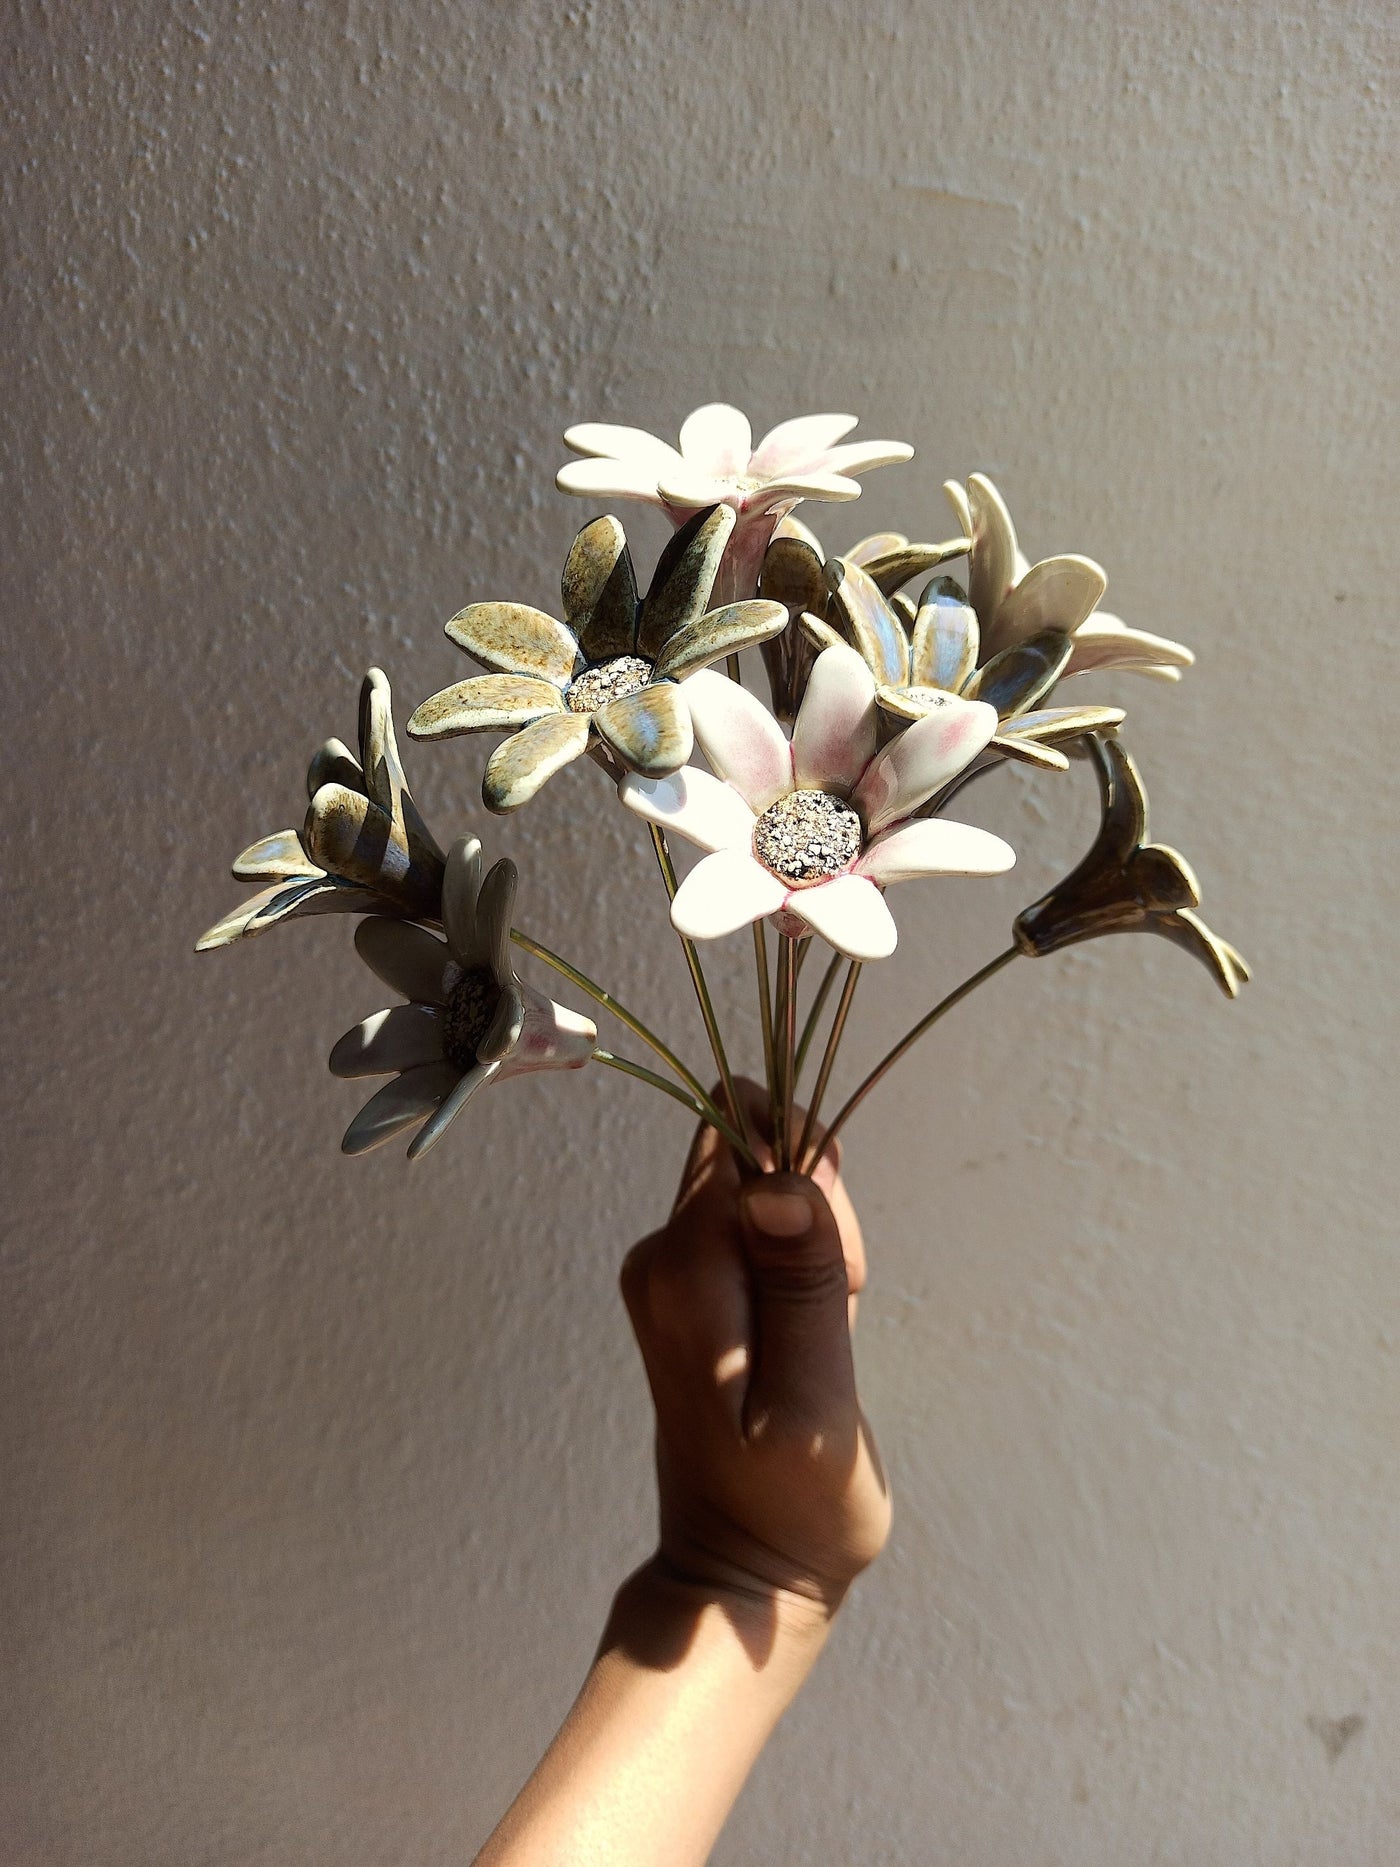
(849, 913)
(1024, 752)
(650, 730)
(408, 959)
(505, 1027)
(717, 439)
(946, 637)
(798, 443)
(1057, 593)
(615, 442)
(461, 883)
(934, 846)
(349, 836)
(891, 570)
(700, 807)
(869, 621)
(956, 495)
(512, 638)
(379, 753)
(289, 900)
(552, 1037)
(519, 766)
(724, 892)
(450, 1107)
(1015, 679)
(279, 857)
(495, 906)
(818, 485)
(485, 703)
(399, 1105)
(993, 562)
(739, 736)
(684, 577)
(599, 591)
(334, 763)
(1052, 726)
(692, 488)
(402, 1038)
(1107, 642)
(837, 727)
(720, 632)
(862, 456)
(922, 760)
(878, 544)
(1188, 931)
(609, 479)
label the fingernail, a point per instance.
(780, 1215)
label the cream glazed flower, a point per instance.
(717, 463)
(814, 829)
(469, 1019)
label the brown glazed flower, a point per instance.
(1126, 884)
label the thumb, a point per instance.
(801, 1369)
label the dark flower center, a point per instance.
(807, 837)
(468, 1016)
(610, 680)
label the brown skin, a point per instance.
(772, 1501)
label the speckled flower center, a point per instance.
(468, 1016)
(610, 680)
(806, 837)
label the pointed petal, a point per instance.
(934, 846)
(718, 633)
(599, 591)
(993, 562)
(288, 900)
(1026, 752)
(450, 1107)
(718, 439)
(402, 1038)
(739, 736)
(1106, 642)
(279, 857)
(1057, 593)
(512, 638)
(1014, 680)
(837, 729)
(379, 752)
(891, 570)
(398, 1105)
(552, 1037)
(956, 495)
(724, 892)
(849, 913)
(612, 441)
(505, 1027)
(696, 805)
(922, 760)
(798, 443)
(684, 577)
(1188, 931)
(1164, 879)
(827, 486)
(650, 730)
(408, 959)
(485, 703)
(872, 625)
(461, 884)
(792, 575)
(334, 763)
(877, 545)
(1123, 801)
(610, 479)
(1052, 726)
(821, 634)
(519, 766)
(864, 456)
(946, 637)
(494, 907)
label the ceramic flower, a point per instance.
(717, 462)
(468, 1021)
(1014, 599)
(363, 848)
(814, 829)
(614, 671)
(1126, 884)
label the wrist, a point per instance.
(666, 1606)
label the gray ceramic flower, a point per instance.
(612, 671)
(363, 848)
(1126, 884)
(469, 1020)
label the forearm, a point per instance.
(682, 1697)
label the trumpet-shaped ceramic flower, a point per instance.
(717, 462)
(815, 828)
(1126, 884)
(613, 671)
(1014, 600)
(469, 1019)
(363, 848)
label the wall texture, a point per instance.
(318, 1475)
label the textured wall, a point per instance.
(318, 1475)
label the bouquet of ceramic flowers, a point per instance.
(892, 684)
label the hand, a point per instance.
(771, 1489)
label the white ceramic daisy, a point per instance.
(469, 1019)
(813, 829)
(717, 463)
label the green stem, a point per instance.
(828, 1063)
(765, 1015)
(809, 1029)
(787, 1038)
(909, 1039)
(731, 667)
(706, 1110)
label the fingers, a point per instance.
(802, 1373)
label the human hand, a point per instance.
(771, 1488)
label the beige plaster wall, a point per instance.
(317, 1475)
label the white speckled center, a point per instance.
(806, 837)
(610, 680)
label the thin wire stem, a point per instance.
(731, 668)
(787, 1039)
(706, 1111)
(702, 990)
(765, 1016)
(809, 1029)
(828, 1063)
(909, 1039)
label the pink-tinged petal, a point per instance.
(922, 760)
(398, 1105)
(615, 442)
(450, 1107)
(1107, 642)
(717, 439)
(862, 456)
(698, 806)
(402, 1038)
(849, 913)
(1057, 593)
(739, 736)
(934, 847)
(837, 726)
(724, 892)
(610, 479)
(690, 487)
(798, 444)
(552, 1037)
(816, 485)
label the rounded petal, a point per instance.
(816, 485)
(798, 444)
(922, 760)
(717, 439)
(870, 622)
(862, 456)
(849, 913)
(946, 637)
(690, 486)
(519, 766)
(724, 892)
(399, 1105)
(721, 632)
(279, 857)
(609, 479)
(610, 439)
(1017, 677)
(402, 1038)
(334, 763)
(680, 589)
(408, 959)
(934, 847)
(993, 564)
(836, 733)
(698, 806)
(461, 884)
(740, 738)
(450, 1107)
(552, 1037)
(1057, 593)
(485, 703)
(599, 590)
(495, 908)
(1107, 642)
(650, 730)
(512, 638)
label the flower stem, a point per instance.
(765, 1016)
(809, 1029)
(909, 1039)
(702, 990)
(787, 1040)
(828, 1063)
(731, 668)
(706, 1110)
